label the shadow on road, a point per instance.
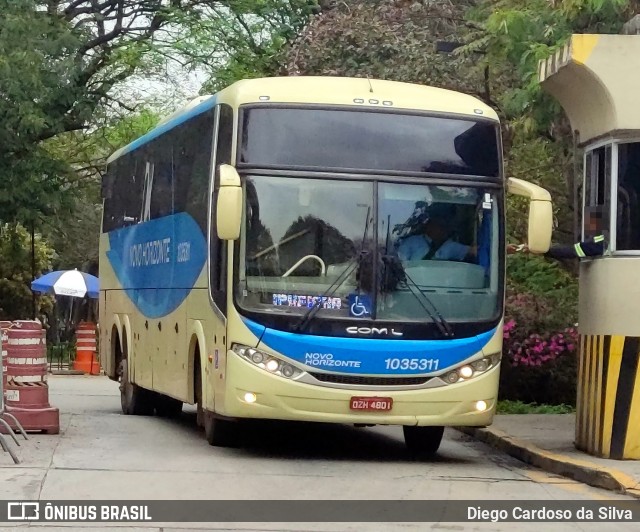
(326, 441)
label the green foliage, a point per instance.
(538, 276)
(243, 39)
(518, 407)
(15, 272)
(60, 67)
(552, 383)
(390, 39)
(550, 165)
(35, 64)
(520, 33)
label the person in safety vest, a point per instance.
(590, 247)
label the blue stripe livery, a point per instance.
(368, 356)
(158, 262)
(168, 126)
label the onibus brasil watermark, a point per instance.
(64, 512)
(314, 511)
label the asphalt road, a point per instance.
(102, 454)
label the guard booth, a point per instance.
(596, 79)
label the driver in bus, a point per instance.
(434, 240)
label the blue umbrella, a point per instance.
(67, 283)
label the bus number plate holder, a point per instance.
(382, 404)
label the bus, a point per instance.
(315, 249)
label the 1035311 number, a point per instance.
(422, 364)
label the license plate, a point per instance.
(371, 403)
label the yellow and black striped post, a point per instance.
(608, 404)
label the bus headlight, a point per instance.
(466, 372)
(256, 356)
(451, 377)
(481, 365)
(471, 370)
(266, 361)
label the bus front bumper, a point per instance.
(280, 398)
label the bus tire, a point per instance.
(198, 391)
(134, 400)
(422, 441)
(167, 406)
(220, 432)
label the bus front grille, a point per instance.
(371, 381)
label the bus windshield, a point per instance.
(371, 141)
(432, 244)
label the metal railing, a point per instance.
(60, 356)
(3, 413)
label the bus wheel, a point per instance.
(167, 406)
(133, 399)
(220, 432)
(422, 441)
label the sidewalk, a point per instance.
(546, 441)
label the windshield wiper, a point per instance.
(443, 325)
(351, 266)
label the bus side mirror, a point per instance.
(229, 205)
(540, 213)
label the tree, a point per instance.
(15, 271)
(245, 38)
(61, 63)
(517, 35)
(390, 39)
(521, 33)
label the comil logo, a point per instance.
(373, 331)
(23, 511)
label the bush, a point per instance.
(539, 363)
(553, 384)
(518, 407)
(551, 290)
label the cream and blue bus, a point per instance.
(312, 249)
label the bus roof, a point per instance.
(354, 92)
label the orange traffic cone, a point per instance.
(86, 357)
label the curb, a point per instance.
(580, 470)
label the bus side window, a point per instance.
(122, 204)
(162, 196)
(158, 169)
(218, 248)
(191, 166)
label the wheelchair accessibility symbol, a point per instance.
(359, 305)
